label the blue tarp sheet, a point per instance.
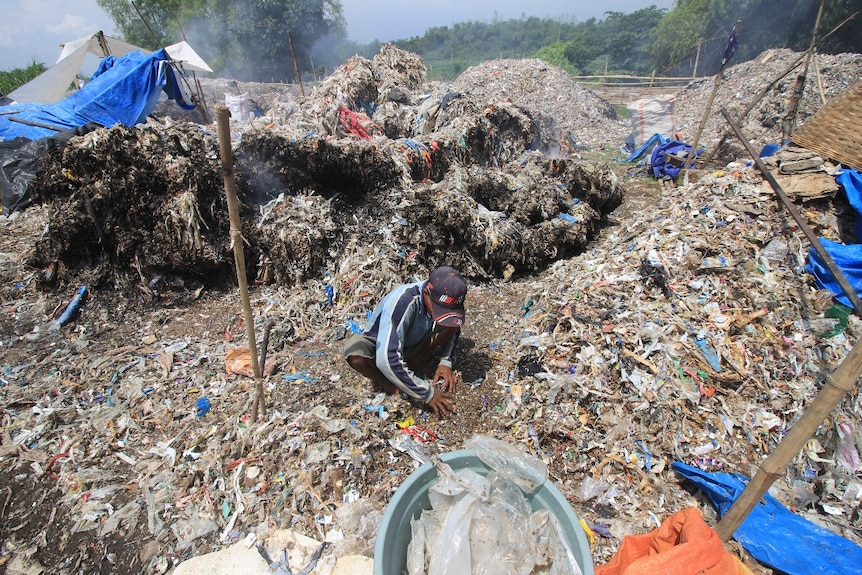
(659, 165)
(654, 140)
(774, 535)
(848, 258)
(123, 91)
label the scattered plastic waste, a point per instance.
(769, 150)
(776, 250)
(708, 352)
(510, 461)
(716, 263)
(203, 406)
(102, 411)
(238, 361)
(71, 310)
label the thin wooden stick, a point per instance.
(259, 401)
(790, 124)
(37, 124)
(295, 65)
(223, 125)
(693, 151)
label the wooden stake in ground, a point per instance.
(295, 65)
(728, 53)
(789, 123)
(223, 125)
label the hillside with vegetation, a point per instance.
(687, 40)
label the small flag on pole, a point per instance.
(732, 45)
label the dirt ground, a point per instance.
(580, 343)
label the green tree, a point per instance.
(627, 39)
(585, 46)
(12, 79)
(248, 40)
(680, 33)
(556, 54)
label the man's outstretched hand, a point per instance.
(445, 373)
(443, 403)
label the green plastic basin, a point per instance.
(411, 498)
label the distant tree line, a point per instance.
(273, 40)
(652, 40)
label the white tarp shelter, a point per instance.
(53, 84)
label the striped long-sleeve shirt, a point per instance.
(400, 324)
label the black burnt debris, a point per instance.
(130, 204)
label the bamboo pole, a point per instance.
(223, 125)
(691, 153)
(103, 44)
(697, 58)
(201, 102)
(690, 156)
(800, 221)
(198, 95)
(819, 80)
(797, 96)
(840, 382)
(295, 64)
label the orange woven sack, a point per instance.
(682, 545)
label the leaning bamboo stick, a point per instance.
(840, 382)
(718, 77)
(790, 124)
(295, 65)
(223, 125)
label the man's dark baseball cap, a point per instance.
(447, 289)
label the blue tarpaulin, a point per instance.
(124, 91)
(654, 140)
(848, 257)
(661, 167)
(776, 536)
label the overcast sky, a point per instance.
(34, 29)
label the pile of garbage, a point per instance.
(613, 326)
(449, 168)
(759, 94)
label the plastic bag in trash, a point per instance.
(484, 525)
(510, 461)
